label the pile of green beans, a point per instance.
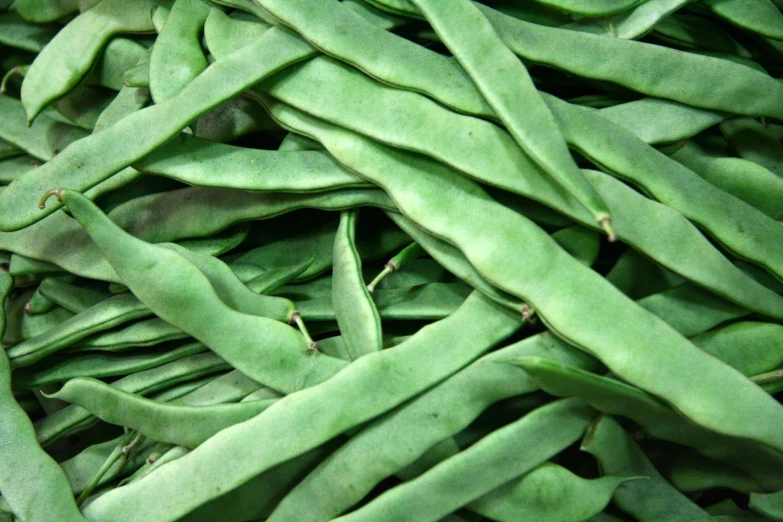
(391, 260)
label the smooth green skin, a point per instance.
(204, 163)
(635, 65)
(28, 474)
(187, 426)
(505, 454)
(119, 55)
(98, 365)
(16, 32)
(225, 34)
(140, 334)
(177, 57)
(657, 121)
(168, 216)
(41, 11)
(194, 302)
(339, 31)
(61, 423)
(105, 315)
(757, 16)
(634, 344)
(232, 291)
(59, 67)
(549, 493)
(632, 24)
(127, 101)
(648, 500)
(770, 505)
(751, 347)
(12, 168)
(346, 476)
(21, 326)
(751, 140)
(432, 301)
(233, 119)
(660, 225)
(328, 89)
(43, 138)
(124, 143)
(71, 297)
(356, 314)
(616, 398)
(746, 180)
(394, 375)
(255, 499)
(355, 468)
(697, 32)
(505, 83)
(742, 229)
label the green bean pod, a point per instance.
(60, 66)
(646, 500)
(186, 426)
(657, 348)
(28, 474)
(355, 312)
(425, 364)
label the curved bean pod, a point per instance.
(746, 180)
(64, 421)
(283, 366)
(752, 348)
(741, 228)
(355, 312)
(507, 86)
(657, 121)
(616, 398)
(28, 473)
(99, 365)
(647, 500)
(349, 474)
(657, 347)
(186, 426)
(204, 163)
(222, 80)
(417, 364)
(225, 34)
(107, 314)
(532, 440)
(758, 16)
(549, 493)
(59, 67)
(177, 57)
